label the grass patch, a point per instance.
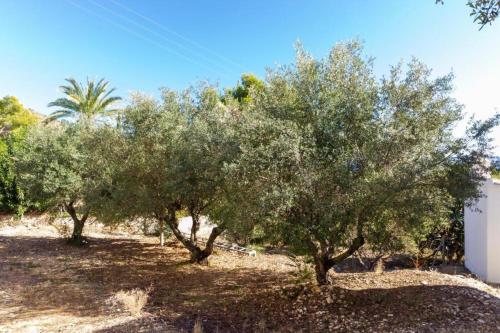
(132, 301)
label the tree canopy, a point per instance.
(242, 91)
(322, 157)
(338, 157)
(15, 120)
(52, 168)
(166, 157)
(13, 115)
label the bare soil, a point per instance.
(49, 286)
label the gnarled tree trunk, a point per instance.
(321, 267)
(323, 260)
(78, 225)
(198, 255)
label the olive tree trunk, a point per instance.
(198, 255)
(324, 261)
(78, 225)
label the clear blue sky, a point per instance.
(145, 45)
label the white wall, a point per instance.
(482, 234)
(494, 232)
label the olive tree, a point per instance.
(339, 158)
(52, 169)
(465, 174)
(167, 157)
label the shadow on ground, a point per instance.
(44, 275)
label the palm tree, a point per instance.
(87, 101)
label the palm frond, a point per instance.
(65, 103)
(98, 89)
(103, 104)
(75, 89)
(109, 92)
(89, 96)
(59, 114)
(87, 100)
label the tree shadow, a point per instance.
(44, 275)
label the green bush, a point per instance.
(14, 122)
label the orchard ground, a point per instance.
(49, 286)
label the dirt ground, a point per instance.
(49, 286)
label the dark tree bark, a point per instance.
(321, 267)
(323, 261)
(198, 255)
(78, 225)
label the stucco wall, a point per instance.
(493, 232)
(482, 234)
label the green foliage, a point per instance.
(51, 165)
(462, 184)
(242, 91)
(495, 168)
(322, 157)
(207, 143)
(14, 122)
(146, 139)
(483, 11)
(53, 169)
(175, 151)
(10, 196)
(332, 159)
(446, 240)
(14, 116)
(84, 101)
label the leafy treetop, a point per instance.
(13, 115)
